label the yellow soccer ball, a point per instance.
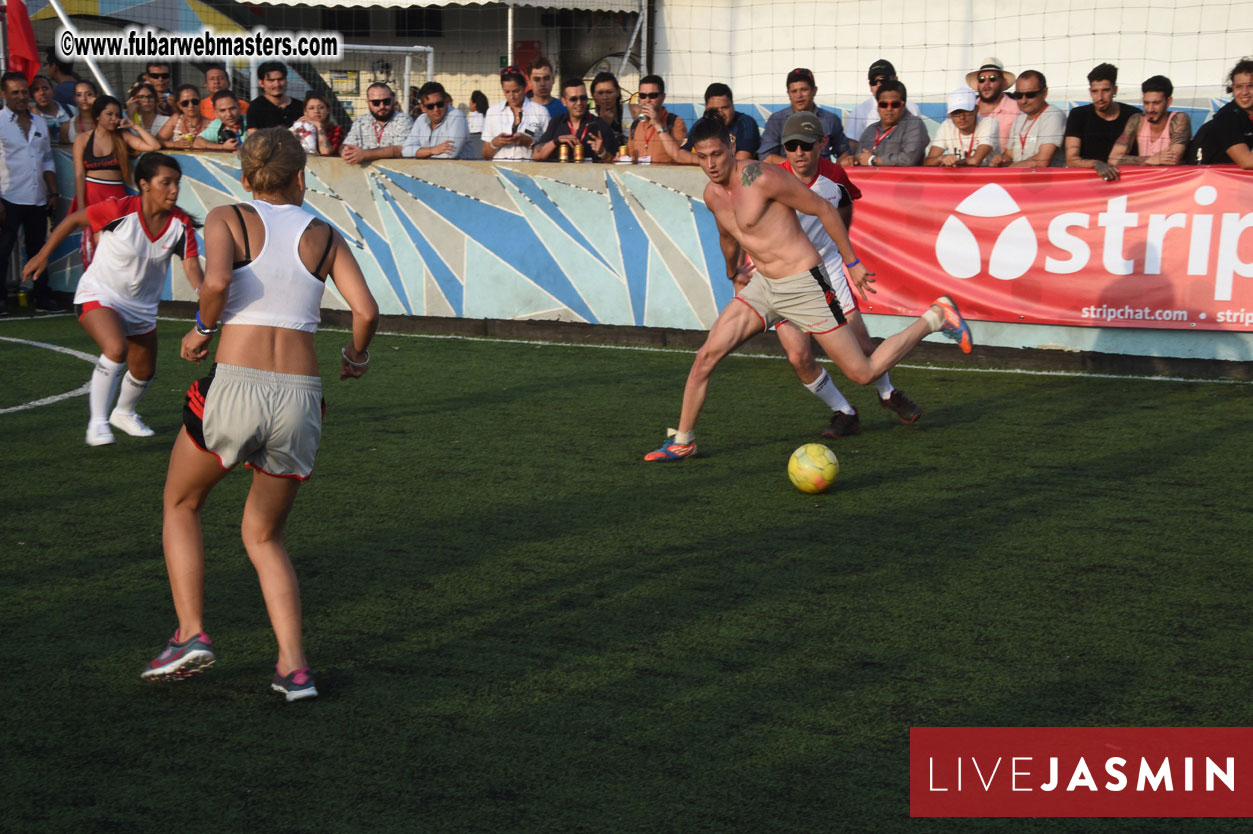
(813, 468)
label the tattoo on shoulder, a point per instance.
(1180, 128)
(750, 173)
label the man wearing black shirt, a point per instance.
(576, 127)
(273, 108)
(1231, 129)
(1093, 129)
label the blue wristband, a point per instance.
(202, 330)
(855, 262)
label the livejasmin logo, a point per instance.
(1080, 771)
(1016, 250)
(1022, 774)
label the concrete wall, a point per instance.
(621, 245)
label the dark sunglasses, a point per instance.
(435, 105)
(189, 102)
(1027, 94)
(577, 99)
(891, 105)
(984, 79)
(651, 95)
(158, 75)
(381, 102)
(875, 82)
(798, 145)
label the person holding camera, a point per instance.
(514, 123)
(226, 131)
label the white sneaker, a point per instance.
(129, 423)
(98, 434)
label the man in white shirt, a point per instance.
(28, 185)
(867, 113)
(964, 139)
(512, 126)
(1035, 140)
(441, 131)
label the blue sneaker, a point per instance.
(670, 450)
(181, 660)
(295, 687)
(955, 326)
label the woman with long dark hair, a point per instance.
(102, 160)
(267, 262)
(117, 295)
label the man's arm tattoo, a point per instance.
(750, 173)
(1180, 129)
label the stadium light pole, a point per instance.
(87, 59)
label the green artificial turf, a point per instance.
(518, 626)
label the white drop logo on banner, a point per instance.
(957, 249)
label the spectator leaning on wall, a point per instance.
(379, 134)
(868, 111)
(1159, 135)
(1093, 129)
(1035, 140)
(441, 131)
(1229, 138)
(899, 138)
(991, 81)
(273, 108)
(801, 90)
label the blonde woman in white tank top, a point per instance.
(265, 266)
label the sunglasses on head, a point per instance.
(158, 75)
(799, 145)
(434, 105)
(984, 79)
(650, 95)
(577, 99)
(891, 105)
(1027, 94)
(381, 102)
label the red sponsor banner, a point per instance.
(1081, 771)
(1161, 248)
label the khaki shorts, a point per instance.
(270, 421)
(807, 300)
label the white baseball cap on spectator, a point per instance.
(963, 98)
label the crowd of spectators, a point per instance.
(998, 119)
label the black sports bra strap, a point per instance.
(330, 239)
(243, 228)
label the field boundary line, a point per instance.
(56, 398)
(690, 351)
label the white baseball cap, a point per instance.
(963, 98)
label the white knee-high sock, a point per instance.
(104, 381)
(825, 389)
(132, 390)
(884, 386)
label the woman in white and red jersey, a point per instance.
(117, 296)
(267, 262)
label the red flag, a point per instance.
(23, 54)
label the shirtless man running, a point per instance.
(755, 208)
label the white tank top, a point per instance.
(275, 289)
